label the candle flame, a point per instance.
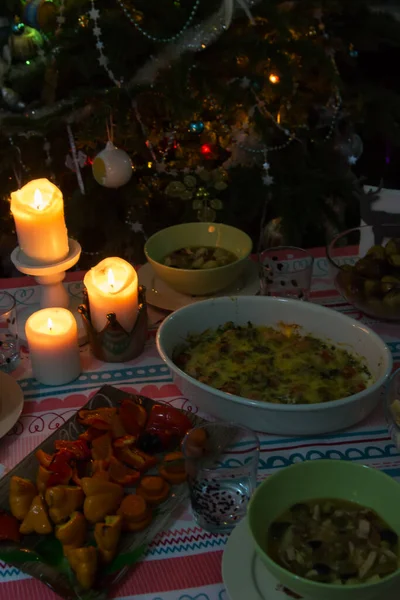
(111, 278)
(49, 324)
(38, 201)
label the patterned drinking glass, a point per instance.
(9, 344)
(221, 462)
(286, 271)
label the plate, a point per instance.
(11, 403)
(244, 574)
(49, 567)
(160, 295)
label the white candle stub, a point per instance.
(112, 287)
(52, 336)
(38, 211)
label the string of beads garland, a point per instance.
(94, 15)
(152, 37)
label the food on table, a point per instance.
(199, 257)
(272, 365)
(72, 534)
(395, 410)
(22, 492)
(153, 489)
(102, 498)
(100, 418)
(120, 473)
(107, 536)
(136, 458)
(375, 279)
(136, 514)
(133, 416)
(37, 519)
(78, 448)
(44, 458)
(172, 468)
(102, 447)
(9, 528)
(165, 427)
(196, 442)
(62, 501)
(333, 541)
(80, 487)
(83, 562)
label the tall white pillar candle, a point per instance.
(112, 287)
(38, 211)
(52, 336)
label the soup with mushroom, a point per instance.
(200, 257)
(334, 542)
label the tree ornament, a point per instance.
(352, 51)
(196, 127)
(12, 100)
(41, 14)
(112, 167)
(18, 28)
(206, 214)
(26, 44)
(351, 148)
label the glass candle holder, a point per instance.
(9, 343)
(286, 271)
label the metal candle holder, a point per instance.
(114, 343)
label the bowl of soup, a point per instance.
(275, 365)
(198, 259)
(329, 530)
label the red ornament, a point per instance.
(206, 149)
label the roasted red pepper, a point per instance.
(100, 418)
(133, 416)
(9, 527)
(168, 424)
(61, 471)
(91, 434)
(44, 458)
(79, 448)
(126, 440)
(135, 458)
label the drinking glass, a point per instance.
(286, 271)
(9, 344)
(221, 462)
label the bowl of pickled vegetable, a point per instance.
(370, 278)
(198, 259)
(329, 530)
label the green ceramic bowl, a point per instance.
(325, 479)
(198, 282)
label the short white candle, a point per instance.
(112, 287)
(38, 211)
(52, 336)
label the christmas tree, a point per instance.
(236, 112)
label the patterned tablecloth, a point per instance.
(183, 563)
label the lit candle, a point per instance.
(38, 211)
(52, 336)
(112, 287)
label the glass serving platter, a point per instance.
(42, 556)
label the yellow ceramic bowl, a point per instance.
(202, 282)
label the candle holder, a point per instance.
(50, 278)
(114, 343)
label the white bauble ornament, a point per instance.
(112, 167)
